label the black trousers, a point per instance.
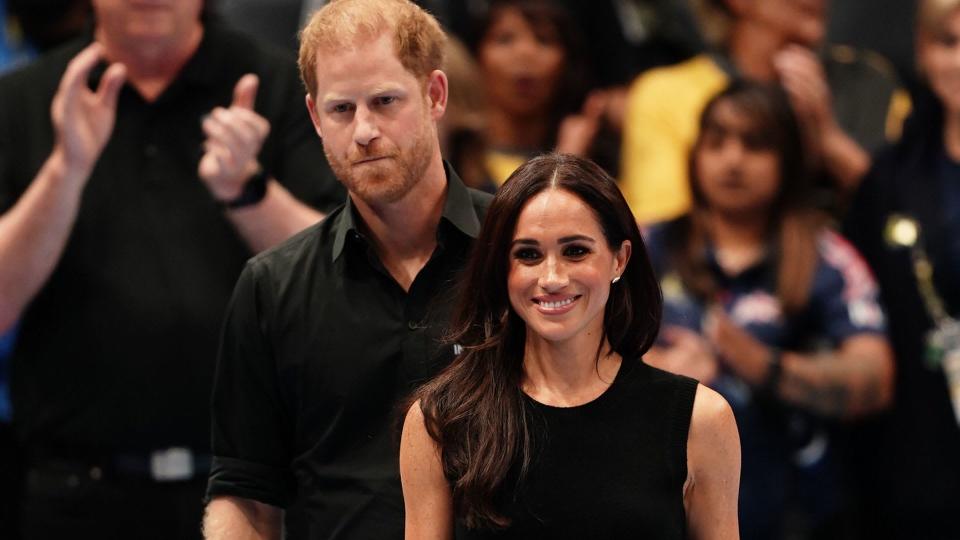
(64, 500)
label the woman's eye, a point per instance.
(526, 255)
(576, 252)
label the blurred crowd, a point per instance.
(795, 166)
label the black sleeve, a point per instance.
(251, 428)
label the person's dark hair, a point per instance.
(475, 409)
(575, 81)
(794, 222)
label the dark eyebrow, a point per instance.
(575, 238)
(563, 240)
(525, 241)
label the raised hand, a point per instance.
(802, 76)
(83, 119)
(577, 131)
(234, 138)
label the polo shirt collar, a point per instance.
(211, 51)
(458, 210)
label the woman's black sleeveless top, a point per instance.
(611, 468)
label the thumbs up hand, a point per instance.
(234, 138)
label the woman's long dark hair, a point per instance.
(475, 408)
(794, 223)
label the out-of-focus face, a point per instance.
(735, 166)
(561, 268)
(938, 56)
(166, 22)
(521, 64)
(377, 123)
(797, 21)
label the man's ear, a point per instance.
(312, 109)
(437, 91)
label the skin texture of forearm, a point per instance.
(846, 160)
(33, 234)
(278, 217)
(842, 385)
(232, 518)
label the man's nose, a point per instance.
(365, 129)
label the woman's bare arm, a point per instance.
(426, 492)
(713, 469)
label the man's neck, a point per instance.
(151, 65)
(752, 49)
(404, 233)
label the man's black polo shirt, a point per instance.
(319, 347)
(116, 353)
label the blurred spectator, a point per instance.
(531, 61)
(624, 37)
(847, 100)
(137, 174)
(906, 219)
(773, 310)
(884, 26)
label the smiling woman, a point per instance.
(550, 404)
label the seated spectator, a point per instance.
(906, 220)
(530, 57)
(847, 100)
(770, 308)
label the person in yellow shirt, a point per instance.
(848, 100)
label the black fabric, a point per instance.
(319, 345)
(910, 457)
(63, 502)
(116, 352)
(611, 468)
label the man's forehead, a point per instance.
(361, 68)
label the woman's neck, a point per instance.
(569, 373)
(505, 130)
(739, 241)
(752, 49)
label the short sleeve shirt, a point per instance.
(319, 348)
(116, 352)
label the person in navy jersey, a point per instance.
(768, 306)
